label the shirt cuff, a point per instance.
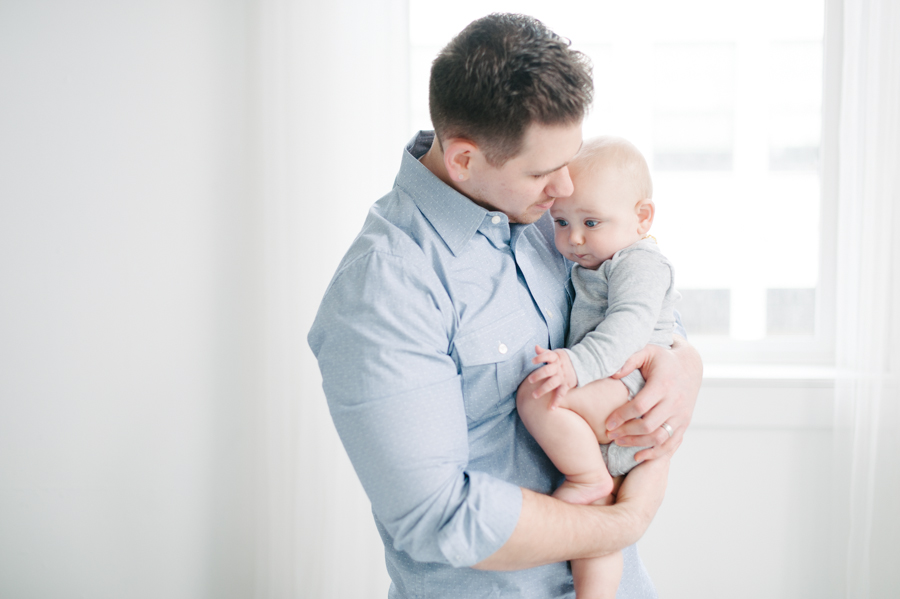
(483, 522)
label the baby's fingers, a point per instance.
(558, 395)
(554, 403)
(540, 374)
(544, 356)
(549, 385)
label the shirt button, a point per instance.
(503, 349)
(549, 314)
(496, 220)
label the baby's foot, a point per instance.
(584, 493)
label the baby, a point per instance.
(624, 300)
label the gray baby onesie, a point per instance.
(628, 302)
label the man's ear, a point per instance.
(645, 210)
(458, 153)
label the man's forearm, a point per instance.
(550, 530)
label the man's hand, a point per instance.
(558, 374)
(673, 379)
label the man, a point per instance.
(430, 324)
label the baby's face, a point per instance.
(598, 220)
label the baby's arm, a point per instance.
(638, 283)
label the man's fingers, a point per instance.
(648, 424)
(648, 430)
(631, 364)
(631, 410)
(646, 399)
(658, 439)
(672, 382)
(666, 449)
(652, 439)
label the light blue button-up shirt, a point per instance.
(423, 337)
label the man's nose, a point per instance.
(560, 184)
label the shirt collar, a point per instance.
(455, 217)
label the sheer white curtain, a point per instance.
(333, 117)
(867, 517)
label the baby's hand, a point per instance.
(557, 373)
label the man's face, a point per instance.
(526, 185)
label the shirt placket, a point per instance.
(530, 265)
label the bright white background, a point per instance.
(178, 181)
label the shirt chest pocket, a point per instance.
(493, 359)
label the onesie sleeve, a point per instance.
(638, 282)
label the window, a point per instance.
(725, 101)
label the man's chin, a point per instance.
(531, 215)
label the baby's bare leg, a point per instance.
(595, 402)
(569, 435)
(599, 577)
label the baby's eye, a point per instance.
(562, 222)
(591, 223)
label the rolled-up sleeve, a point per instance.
(382, 338)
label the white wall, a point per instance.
(333, 102)
(129, 260)
(175, 191)
(748, 508)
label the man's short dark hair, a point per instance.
(499, 75)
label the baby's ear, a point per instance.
(645, 211)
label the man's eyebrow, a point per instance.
(547, 172)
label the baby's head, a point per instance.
(612, 206)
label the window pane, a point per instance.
(706, 311)
(693, 112)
